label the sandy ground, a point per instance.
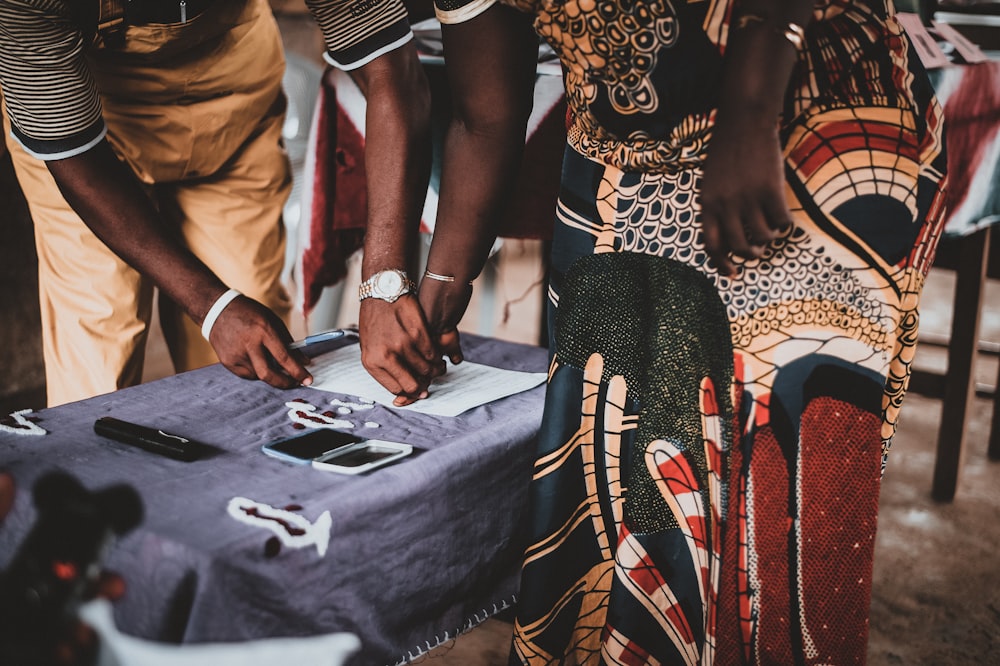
(936, 593)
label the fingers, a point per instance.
(289, 362)
(396, 348)
(252, 343)
(402, 371)
(745, 233)
(776, 211)
(265, 370)
(450, 346)
(716, 245)
(757, 230)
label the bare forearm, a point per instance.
(473, 197)
(397, 157)
(491, 71)
(491, 61)
(760, 56)
(250, 340)
(109, 199)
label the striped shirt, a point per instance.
(53, 101)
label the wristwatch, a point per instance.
(387, 285)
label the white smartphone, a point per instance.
(362, 456)
(338, 451)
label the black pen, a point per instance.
(148, 439)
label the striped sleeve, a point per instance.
(358, 31)
(51, 98)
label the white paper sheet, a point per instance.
(463, 387)
(928, 51)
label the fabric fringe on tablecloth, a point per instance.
(470, 624)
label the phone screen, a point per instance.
(316, 443)
(361, 456)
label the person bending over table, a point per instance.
(147, 141)
(751, 197)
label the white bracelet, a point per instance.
(441, 278)
(216, 310)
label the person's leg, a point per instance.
(95, 309)
(232, 221)
(202, 125)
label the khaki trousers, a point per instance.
(197, 111)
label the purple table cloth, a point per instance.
(418, 551)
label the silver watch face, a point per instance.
(388, 284)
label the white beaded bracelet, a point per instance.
(216, 310)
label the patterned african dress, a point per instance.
(706, 486)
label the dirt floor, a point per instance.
(936, 596)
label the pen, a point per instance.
(332, 334)
(148, 439)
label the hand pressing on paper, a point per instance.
(444, 303)
(397, 350)
(252, 343)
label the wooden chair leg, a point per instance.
(994, 448)
(960, 380)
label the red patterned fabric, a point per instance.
(970, 95)
(339, 198)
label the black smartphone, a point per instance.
(303, 449)
(337, 451)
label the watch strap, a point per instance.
(367, 288)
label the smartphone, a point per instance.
(362, 457)
(337, 451)
(303, 449)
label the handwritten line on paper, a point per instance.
(463, 387)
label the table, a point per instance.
(418, 551)
(970, 95)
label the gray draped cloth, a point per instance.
(419, 551)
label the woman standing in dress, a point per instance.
(751, 198)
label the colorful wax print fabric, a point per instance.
(706, 487)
